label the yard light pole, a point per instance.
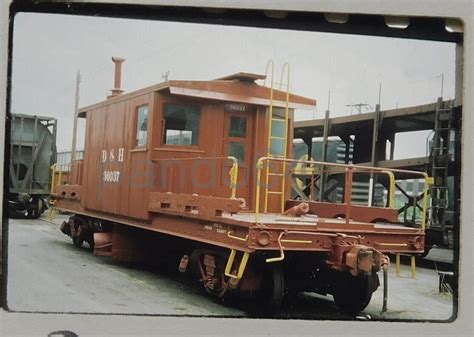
(76, 112)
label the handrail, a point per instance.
(283, 183)
(282, 251)
(53, 173)
(391, 191)
(242, 265)
(359, 167)
(270, 65)
(60, 176)
(315, 170)
(428, 181)
(52, 211)
(233, 172)
(271, 136)
(352, 168)
(280, 239)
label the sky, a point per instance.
(49, 49)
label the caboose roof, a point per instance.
(240, 87)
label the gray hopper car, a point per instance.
(32, 152)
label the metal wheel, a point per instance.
(77, 241)
(270, 297)
(34, 208)
(38, 209)
(77, 233)
(90, 242)
(352, 294)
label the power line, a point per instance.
(359, 107)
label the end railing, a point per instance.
(233, 172)
(348, 170)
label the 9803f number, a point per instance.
(111, 176)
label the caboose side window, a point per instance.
(142, 126)
(181, 124)
(237, 150)
(238, 127)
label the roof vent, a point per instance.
(242, 77)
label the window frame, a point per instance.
(163, 125)
(233, 139)
(135, 138)
(230, 127)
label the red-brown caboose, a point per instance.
(207, 161)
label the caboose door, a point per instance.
(237, 143)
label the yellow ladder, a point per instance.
(277, 135)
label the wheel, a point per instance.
(270, 297)
(352, 294)
(38, 209)
(90, 242)
(33, 208)
(77, 232)
(77, 241)
(276, 289)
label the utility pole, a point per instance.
(323, 175)
(442, 83)
(76, 112)
(380, 91)
(165, 76)
(375, 136)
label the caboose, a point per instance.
(205, 164)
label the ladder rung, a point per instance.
(275, 174)
(281, 138)
(279, 120)
(274, 192)
(444, 117)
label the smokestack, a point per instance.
(117, 90)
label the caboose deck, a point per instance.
(315, 222)
(240, 230)
(313, 233)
